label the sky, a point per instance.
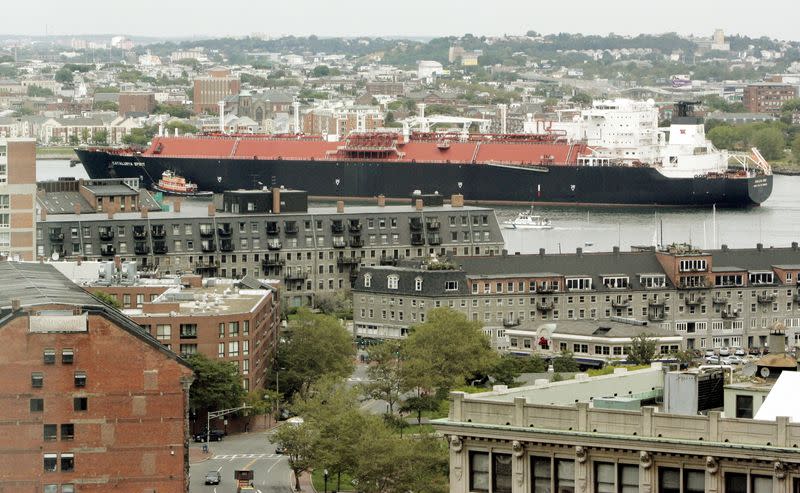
(424, 18)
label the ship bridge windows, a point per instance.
(579, 283)
(615, 282)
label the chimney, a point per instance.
(418, 204)
(78, 262)
(616, 250)
(457, 200)
(15, 304)
(777, 340)
(110, 211)
(43, 214)
(77, 209)
(759, 246)
(144, 211)
(276, 200)
(505, 252)
(117, 262)
(212, 211)
(221, 105)
(340, 206)
(579, 251)
(176, 204)
(794, 245)
(381, 201)
(541, 252)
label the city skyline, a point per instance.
(415, 19)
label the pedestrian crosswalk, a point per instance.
(245, 456)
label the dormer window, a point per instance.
(615, 282)
(695, 265)
(653, 281)
(579, 283)
(392, 281)
(765, 277)
(367, 280)
(418, 284)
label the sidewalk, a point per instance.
(197, 455)
(305, 483)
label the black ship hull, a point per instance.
(486, 183)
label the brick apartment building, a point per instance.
(767, 97)
(18, 198)
(212, 88)
(136, 102)
(90, 401)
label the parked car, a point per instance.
(214, 436)
(213, 477)
(739, 352)
(724, 351)
(279, 449)
(732, 360)
(712, 360)
(710, 353)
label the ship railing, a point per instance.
(399, 159)
(754, 160)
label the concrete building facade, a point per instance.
(18, 198)
(90, 401)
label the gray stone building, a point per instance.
(713, 299)
(310, 249)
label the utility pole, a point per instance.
(217, 414)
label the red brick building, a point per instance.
(213, 88)
(18, 198)
(90, 401)
(136, 102)
(767, 97)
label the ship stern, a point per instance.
(759, 188)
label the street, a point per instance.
(243, 451)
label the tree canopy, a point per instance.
(217, 384)
(643, 349)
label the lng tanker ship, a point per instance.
(611, 154)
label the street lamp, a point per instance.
(325, 473)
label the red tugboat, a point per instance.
(172, 184)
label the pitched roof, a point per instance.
(36, 284)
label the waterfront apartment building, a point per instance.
(265, 234)
(604, 434)
(212, 88)
(712, 299)
(767, 97)
(91, 402)
(17, 198)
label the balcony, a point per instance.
(58, 250)
(621, 304)
(206, 231)
(348, 261)
(655, 303)
(160, 247)
(719, 300)
(729, 314)
(337, 227)
(545, 307)
(695, 301)
(338, 242)
(514, 322)
(693, 285)
(295, 276)
(655, 316)
(206, 267)
(290, 227)
(765, 299)
(433, 225)
(415, 224)
(106, 234)
(434, 239)
(273, 228)
(107, 250)
(356, 242)
(56, 235)
(546, 289)
(139, 233)
(417, 239)
(158, 232)
(272, 263)
(225, 245)
(387, 261)
(796, 297)
(274, 244)
(224, 231)
(355, 227)
(141, 248)
(208, 246)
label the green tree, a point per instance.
(262, 402)
(299, 442)
(314, 346)
(420, 403)
(64, 75)
(582, 99)
(176, 110)
(565, 363)
(321, 71)
(534, 364)
(217, 384)
(140, 136)
(106, 106)
(723, 136)
(36, 91)
(796, 148)
(107, 299)
(770, 142)
(442, 352)
(74, 140)
(183, 127)
(643, 349)
(506, 369)
(384, 373)
(101, 137)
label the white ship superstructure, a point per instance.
(623, 132)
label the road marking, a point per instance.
(232, 457)
(250, 464)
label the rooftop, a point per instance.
(39, 284)
(212, 300)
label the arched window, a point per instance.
(418, 284)
(392, 281)
(367, 280)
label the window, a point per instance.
(451, 285)
(392, 281)
(418, 284)
(613, 478)
(367, 280)
(37, 379)
(67, 356)
(80, 379)
(163, 332)
(67, 488)
(670, 480)
(67, 462)
(50, 462)
(542, 469)
(50, 432)
(245, 348)
(68, 431)
(233, 348)
(50, 488)
(744, 406)
(222, 330)
(478, 471)
(221, 350)
(37, 405)
(233, 329)
(246, 328)
(188, 349)
(80, 404)
(188, 331)
(49, 356)
(501, 473)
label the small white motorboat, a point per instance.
(526, 220)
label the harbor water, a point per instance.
(775, 223)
